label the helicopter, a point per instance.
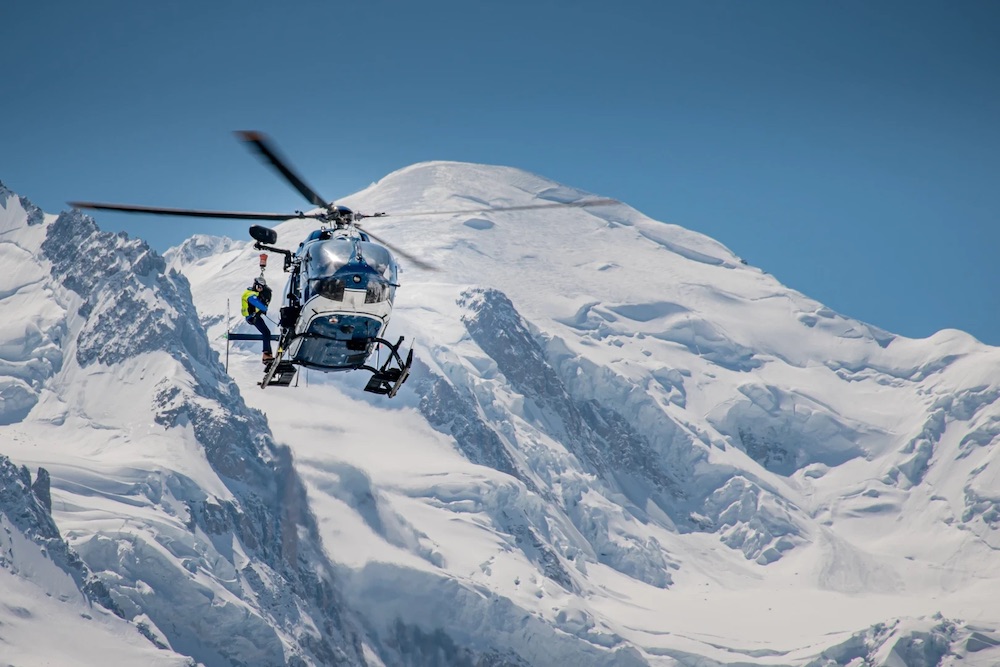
(342, 281)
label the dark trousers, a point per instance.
(261, 325)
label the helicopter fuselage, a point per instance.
(341, 291)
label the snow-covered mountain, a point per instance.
(182, 515)
(620, 446)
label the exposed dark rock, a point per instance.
(35, 215)
(598, 435)
(419, 648)
(450, 412)
(42, 489)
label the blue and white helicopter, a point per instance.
(339, 295)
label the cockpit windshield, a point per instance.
(380, 260)
(331, 266)
(326, 257)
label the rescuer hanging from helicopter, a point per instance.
(255, 301)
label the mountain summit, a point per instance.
(620, 445)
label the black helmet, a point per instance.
(259, 282)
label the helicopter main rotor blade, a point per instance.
(269, 152)
(413, 259)
(502, 209)
(187, 212)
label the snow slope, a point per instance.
(620, 445)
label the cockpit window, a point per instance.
(331, 288)
(377, 291)
(323, 259)
(380, 260)
(330, 266)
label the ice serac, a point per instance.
(660, 470)
(446, 409)
(27, 507)
(909, 642)
(599, 440)
(187, 518)
(46, 585)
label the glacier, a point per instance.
(620, 445)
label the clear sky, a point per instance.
(850, 148)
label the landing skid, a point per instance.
(278, 374)
(385, 380)
(388, 378)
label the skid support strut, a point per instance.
(390, 376)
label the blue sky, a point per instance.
(850, 148)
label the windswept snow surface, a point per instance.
(620, 446)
